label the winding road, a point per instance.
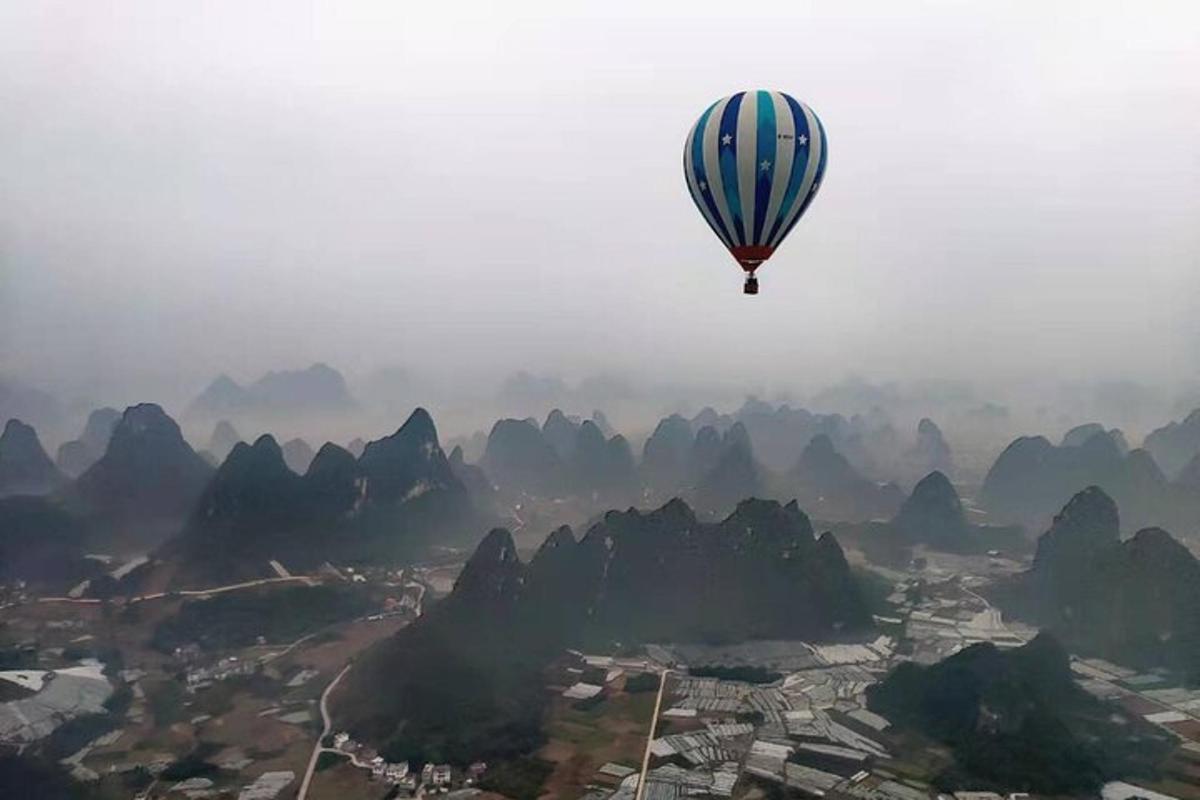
(327, 724)
(232, 587)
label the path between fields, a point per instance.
(662, 684)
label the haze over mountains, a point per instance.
(714, 530)
(317, 389)
(1032, 478)
(136, 472)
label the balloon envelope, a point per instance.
(753, 163)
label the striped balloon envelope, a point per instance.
(754, 162)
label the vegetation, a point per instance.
(642, 682)
(120, 701)
(746, 674)
(17, 658)
(190, 766)
(30, 779)
(10, 691)
(875, 590)
(594, 675)
(215, 700)
(588, 703)
(166, 702)
(518, 779)
(328, 759)
(1016, 721)
(74, 734)
(237, 619)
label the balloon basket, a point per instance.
(751, 285)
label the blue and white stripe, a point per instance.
(753, 163)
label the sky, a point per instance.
(194, 188)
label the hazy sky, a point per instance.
(188, 188)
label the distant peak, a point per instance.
(1092, 501)
(331, 458)
(935, 482)
(266, 443)
(1154, 538)
(821, 445)
(590, 436)
(757, 513)
(496, 547)
(21, 439)
(1087, 523)
(1081, 433)
(560, 537)
(933, 513)
(738, 435)
(145, 412)
(677, 508)
(225, 428)
(146, 420)
(14, 427)
(420, 423)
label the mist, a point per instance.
(466, 190)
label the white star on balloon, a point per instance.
(726, 140)
(704, 186)
(765, 165)
(802, 139)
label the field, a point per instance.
(580, 741)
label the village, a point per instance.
(198, 723)
(88, 682)
(431, 778)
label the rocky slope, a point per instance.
(464, 680)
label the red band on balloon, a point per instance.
(751, 256)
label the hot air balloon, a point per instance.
(753, 163)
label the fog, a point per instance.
(467, 189)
